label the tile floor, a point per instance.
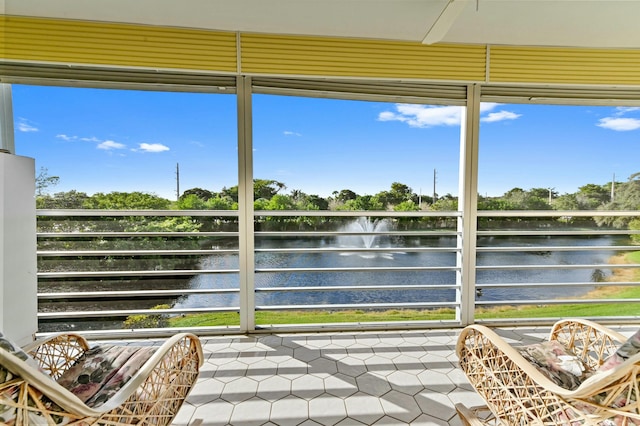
(363, 378)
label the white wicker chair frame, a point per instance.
(152, 396)
(516, 393)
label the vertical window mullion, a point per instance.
(245, 206)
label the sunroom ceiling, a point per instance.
(573, 23)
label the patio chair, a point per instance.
(61, 380)
(582, 375)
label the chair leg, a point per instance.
(196, 422)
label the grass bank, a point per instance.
(400, 315)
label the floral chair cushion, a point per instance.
(14, 349)
(567, 370)
(102, 371)
(556, 362)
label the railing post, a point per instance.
(6, 120)
(246, 255)
(468, 205)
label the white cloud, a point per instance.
(25, 126)
(153, 147)
(487, 106)
(500, 116)
(66, 137)
(430, 116)
(290, 133)
(108, 145)
(619, 124)
(624, 110)
(423, 115)
(91, 139)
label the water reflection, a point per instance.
(348, 269)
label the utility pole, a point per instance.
(613, 187)
(434, 185)
(177, 181)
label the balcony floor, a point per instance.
(361, 378)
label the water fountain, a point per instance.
(367, 228)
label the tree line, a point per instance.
(271, 195)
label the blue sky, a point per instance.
(101, 140)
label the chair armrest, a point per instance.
(590, 341)
(57, 353)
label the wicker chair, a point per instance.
(156, 389)
(516, 392)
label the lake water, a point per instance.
(402, 258)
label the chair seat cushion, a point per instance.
(102, 371)
(556, 362)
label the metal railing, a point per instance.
(110, 271)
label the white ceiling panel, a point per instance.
(579, 23)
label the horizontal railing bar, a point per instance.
(119, 213)
(125, 313)
(129, 293)
(555, 301)
(592, 266)
(427, 233)
(557, 248)
(359, 288)
(361, 269)
(104, 274)
(546, 233)
(361, 250)
(356, 306)
(573, 284)
(102, 253)
(358, 326)
(235, 213)
(556, 213)
(129, 234)
(360, 213)
(149, 333)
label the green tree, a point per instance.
(280, 202)
(221, 203)
(634, 225)
(44, 181)
(315, 202)
(126, 201)
(566, 202)
(527, 200)
(203, 194)
(406, 206)
(262, 188)
(345, 195)
(591, 196)
(627, 197)
(191, 202)
(62, 200)
(266, 188)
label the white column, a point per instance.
(468, 204)
(18, 280)
(245, 206)
(6, 119)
